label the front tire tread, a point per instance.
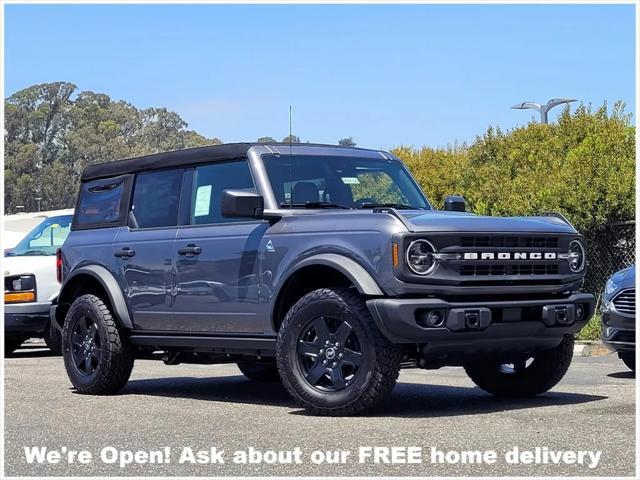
(388, 356)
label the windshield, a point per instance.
(342, 182)
(45, 238)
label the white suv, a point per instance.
(30, 283)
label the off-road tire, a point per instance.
(381, 359)
(260, 371)
(116, 355)
(629, 359)
(53, 338)
(12, 343)
(546, 370)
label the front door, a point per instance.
(217, 258)
(145, 250)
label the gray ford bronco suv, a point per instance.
(322, 266)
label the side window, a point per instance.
(100, 202)
(209, 181)
(156, 198)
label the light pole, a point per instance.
(38, 200)
(543, 109)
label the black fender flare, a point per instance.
(356, 273)
(110, 286)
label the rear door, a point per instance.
(216, 257)
(145, 249)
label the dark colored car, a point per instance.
(619, 315)
(325, 267)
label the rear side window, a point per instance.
(100, 202)
(156, 198)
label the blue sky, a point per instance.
(386, 75)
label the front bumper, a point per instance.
(619, 331)
(483, 327)
(26, 317)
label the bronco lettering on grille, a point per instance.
(511, 256)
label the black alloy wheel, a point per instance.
(85, 346)
(329, 354)
(96, 351)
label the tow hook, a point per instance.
(461, 319)
(472, 319)
(558, 315)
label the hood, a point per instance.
(445, 221)
(27, 264)
(626, 278)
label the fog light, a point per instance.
(579, 312)
(435, 319)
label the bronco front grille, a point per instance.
(625, 302)
(518, 269)
(505, 259)
(509, 241)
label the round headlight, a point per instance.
(420, 257)
(576, 256)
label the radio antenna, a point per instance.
(290, 161)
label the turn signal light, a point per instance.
(394, 254)
(16, 297)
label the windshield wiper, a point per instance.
(389, 205)
(312, 205)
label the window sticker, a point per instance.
(350, 181)
(203, 200)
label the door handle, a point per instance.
(190, 250)
(126, 252)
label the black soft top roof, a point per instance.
(156, 161)
(189, 156)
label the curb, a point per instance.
(590, 349)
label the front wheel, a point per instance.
(524, 377)
(97, 356)
(629, 359)
(332, 358)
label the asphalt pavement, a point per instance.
(207, 406)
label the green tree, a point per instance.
(50, 137)
(347, 142)
(291, 139)
(582, 166)
(266, 140)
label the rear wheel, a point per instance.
(629, 359)
(53, 338)
(97, 355)
(524, 377)
(260, 371)
(332, 358)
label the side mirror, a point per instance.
(455, 203)
(241, 204)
